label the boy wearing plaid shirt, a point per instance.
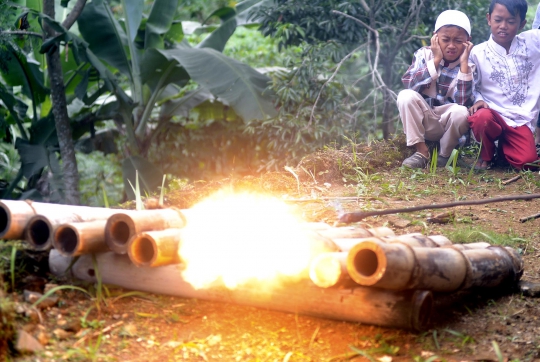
(438, 90)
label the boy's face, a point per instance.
(504, 26)
(452, 42)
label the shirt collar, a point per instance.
(451, 65)
(499, 49)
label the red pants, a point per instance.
(517, 144)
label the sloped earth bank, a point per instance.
(477, 327)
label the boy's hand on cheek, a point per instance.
(436, 49)
(464, 58)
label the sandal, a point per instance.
(417, 160)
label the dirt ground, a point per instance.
(479, 326)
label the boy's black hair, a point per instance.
(513, 7)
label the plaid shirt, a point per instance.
(445, 82)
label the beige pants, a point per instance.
(445, 124)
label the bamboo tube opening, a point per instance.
(39, 233)
(325, 271)
(120, 232)
(422, 309)
(67, 240)
(4, 220)
(143, 250)
(366, 262)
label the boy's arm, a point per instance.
(421, 72)
(536, 22)
(463, 93)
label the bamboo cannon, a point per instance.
(330, 269)
(15, 215)
(73, 239)
(155, 248)
(121, 227)
(40, 229)
(398, 266)
(409, 309)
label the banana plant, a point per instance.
(150, 53)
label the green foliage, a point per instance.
(100, 175)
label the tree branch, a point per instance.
(23, 32)
(74, 14)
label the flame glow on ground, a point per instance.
(237, 238)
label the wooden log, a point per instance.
(122, 227)
(155, 248)
(15, 215)
(409, 309)
(78, 238)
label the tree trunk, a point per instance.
(389, 104)
(61, 118)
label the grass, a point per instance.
(468, 234)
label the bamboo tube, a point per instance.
(409, 309)
(122, 227)
(493, 266)
(40, 228)
(478, 245)
(414, 240)
(330, 270)
(78, 238)
(155, 248)
(399, 266)
(15, 214)
(355, 232)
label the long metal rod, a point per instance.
(350, 217)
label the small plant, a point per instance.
(433, 163)
(498, 352)
(451, 164)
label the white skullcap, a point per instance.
(453, 17)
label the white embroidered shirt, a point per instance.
(509, 83)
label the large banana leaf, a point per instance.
(19, 70)
(237, 83)
(105, 36)
(153, 66)
(159, 21)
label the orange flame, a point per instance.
(240, 238)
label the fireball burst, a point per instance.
(239, 238)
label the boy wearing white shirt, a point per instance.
(505, 90)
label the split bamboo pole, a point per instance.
(155, 248)
(409, 309)
(15, 215)
(78, 238)
(122, 227)
(398, 266)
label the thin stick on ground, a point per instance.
(515, 178)
(360, 215)
(97, 333)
